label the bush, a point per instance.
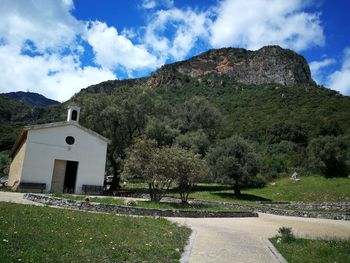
(329, 155)
(286, 235)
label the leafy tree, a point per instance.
(160, 167)
(189, 169)
(329, 155)
(330, 127)
(197, 113)
(120, 117)
(284, 131)
(196, 141)
(151, 164)
(4, 163)
(279, 157)
(161, 131)
(234, 161)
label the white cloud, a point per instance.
(56, 40)
(47, 23)
(150, 4)
(54, 76)
(340, 80)
(44, 42)
(113, 50)
(174, 32)
(255, 23)
(316, 68)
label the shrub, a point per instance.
(286, 235)
(329, 155)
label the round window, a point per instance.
(70, 140)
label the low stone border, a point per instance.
(275, 252)
(185, 257)
(323, 206)
(130, 210)
(275, 211)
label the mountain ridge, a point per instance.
(269, 64)
(250, 108)
(30, 98)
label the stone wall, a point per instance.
(322, 206)
(298, 206)
(129, 210)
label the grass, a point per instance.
(44, 234)
(321, 251)
(308, 189)
(146, 204)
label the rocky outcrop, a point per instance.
(270, 64)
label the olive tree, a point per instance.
(162, 166)
(233, 161)
(329, 155)
(198, 114)
(189, 169)
(121, 117)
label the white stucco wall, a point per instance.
(43, 146)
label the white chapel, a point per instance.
(58, 157)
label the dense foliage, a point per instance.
(162, 166)
(234, 161)
(287, 125)
(329, 155)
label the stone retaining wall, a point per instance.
(275, 211)
(322, 206)
(129, 210)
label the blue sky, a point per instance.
(57, 47)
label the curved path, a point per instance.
(13, 197)
(245, 239)
(239, 239)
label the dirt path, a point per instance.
(244, 239)
(12, 197)
(239, 239)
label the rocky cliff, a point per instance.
(270, 64)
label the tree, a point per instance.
(189, 169)
(120, 117)
(233, 161)
(161, 131)
(285, 131)
(329, 155)
(197, 113)
(146, 161)
(196, 141)
(4, 163)
(162, 166)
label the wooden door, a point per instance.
(58, 175)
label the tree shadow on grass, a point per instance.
(245, 197)
(204, 188)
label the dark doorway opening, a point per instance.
(70, 177)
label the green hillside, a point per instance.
(301, 127)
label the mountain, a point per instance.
(30, 98)
(270, 64)
(254, 91)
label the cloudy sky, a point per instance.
(57, 47)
